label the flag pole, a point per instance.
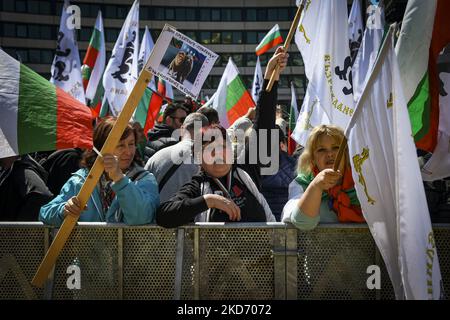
(286, 45)
(342, 148)
(91, 181)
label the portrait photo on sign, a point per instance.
(181, 61)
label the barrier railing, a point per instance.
(204, 261)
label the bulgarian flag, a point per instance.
(232, 99)
(270, 40)
(37, 116)
(94, 65)
(293, 116)
(148, 109)
(425, 32)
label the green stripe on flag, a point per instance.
(96, 39)
(235, 90)
(419, 109)
(36, 119)
(141, 112)
(269, 39)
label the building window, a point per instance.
(46, 56)
(122, 12)
(191, 14)
(283, 14)
(251, 60)
(21, 30)
(110, 12)
(181, 14)
(261, 15)
(8, 5)
(215, 14)
(205, 14)
(34, 56)
(46, 33)
(272, 14)
(236, 15)
(33, 7)
(215, 37)
(205, 37)
(227, 37)
(296, 59)
(191, 34)
(9, 30)
(85, 34)
(238, 59)
(34, 31)
(251, 15)
(158, 13)
(170, 14)
(237, 37)
(21, 55)
(93, 10)
(251, 37)
(21, 6)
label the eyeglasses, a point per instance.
(180, 118)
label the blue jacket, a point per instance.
(137, 200)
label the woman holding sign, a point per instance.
(126, 192)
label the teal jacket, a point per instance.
(135, 202)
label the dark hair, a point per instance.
(171, 109)
(101, 132)
(206, 142)
(210, 113)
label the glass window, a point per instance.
(283, 83)
(205, 37)
(110, 12)
(155, 34)
(226, 15)
(261, 15)
(85, 34)
(227, 37)
(251, 60)
(181, 14)
(21, 55)
(21, 6)
(33, 7)
(251, 14)
(111, 34)
(238, 59)
(191, 34)
(59, 8)
(237, 37)
(46, 32)
(225, 57)
(251, 37)
(170, 14)
(21, 30)
(261, 35)
(263, 59)
(283, 14)
(218, 62)
(296, 59)
(299, 81)
(215, 14)
(236, 15)
(272, 14)
(9, 30)
(158, 13)
(215, 37)
(8, 5)
(191, 14)
(34, 31)
(122, 12)
(215, 81)
(47, 56)
(205, 14)
(34, 56)
(93, 10)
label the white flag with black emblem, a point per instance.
(122, 70)
(66, 67)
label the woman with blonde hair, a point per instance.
(319, 193)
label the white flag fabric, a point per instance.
(257, 81)
(66, 67)
(311, 115)
(322, 38)
(145, 49)
(438, 166)
(355, 28)
(122, 69)
(367, 53)
(388, 182)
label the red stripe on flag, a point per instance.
(240, 108)
(73, 122)
(291, 143)
(269, 45)
(91, 57)
(153, 110)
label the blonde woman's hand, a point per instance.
(226, 205)
(327, 179)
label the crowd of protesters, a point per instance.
(190, 169)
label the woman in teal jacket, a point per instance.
(125, 192)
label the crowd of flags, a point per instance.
(382, 90)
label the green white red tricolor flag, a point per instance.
(269, 41)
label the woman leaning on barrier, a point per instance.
(318, 193)
(126, 192)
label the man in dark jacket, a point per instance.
(161, 135)
(22, 189)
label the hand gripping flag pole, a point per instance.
(287, 43)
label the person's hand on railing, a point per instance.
(226, 205)
(73, 207)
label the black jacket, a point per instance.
(23, 190)
(158, 138)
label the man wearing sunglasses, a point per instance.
(161, 134)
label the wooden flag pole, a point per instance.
(91, 181)
(340, 154)
(286, 45)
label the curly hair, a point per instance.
(305, 162)
(101, 132)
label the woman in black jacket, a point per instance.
(223, 191)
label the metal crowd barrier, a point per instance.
(204, 261)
